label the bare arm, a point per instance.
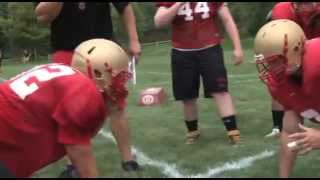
(129, 21)
(82, 158)
(233, 33)
(288, 157)
(164, 16)
(46, 12)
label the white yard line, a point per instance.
(171, 170)
(234, 165)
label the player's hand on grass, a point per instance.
(307, 140)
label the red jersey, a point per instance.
(43, 109)
(64, 57)
(303, 99)
(195, 25)
(309, 23)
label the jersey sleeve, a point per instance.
(164, 4)
(218, 5)
(215, 6)
(311, 66)
(120, 6)
(80, 115)
(66, 7)
(281, 95)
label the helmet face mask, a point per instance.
(279, 49)
(117, 88)
(272, 67)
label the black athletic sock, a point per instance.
(230, 122)
(277, 117)
(192, 125)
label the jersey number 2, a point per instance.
(20, 86)
(201, 7)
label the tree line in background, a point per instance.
(19, 29)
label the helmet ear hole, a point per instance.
(97, 73)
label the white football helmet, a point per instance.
(102, 60)
(279, 49)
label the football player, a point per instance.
(197, 53)
(289, 66)
(306, 14)
(55, 110)
(74, 22)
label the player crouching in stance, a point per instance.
(307, 16)
(289, 66)
(55, 110)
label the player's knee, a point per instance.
(189, 102)
(276, 105)
(221, 95)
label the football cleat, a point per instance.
(274, 133)
(234, 137)
(192, 137)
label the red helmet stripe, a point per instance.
(285, 46)
(89, 69)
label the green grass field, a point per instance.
(158, 133)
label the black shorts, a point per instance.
(189, 66)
